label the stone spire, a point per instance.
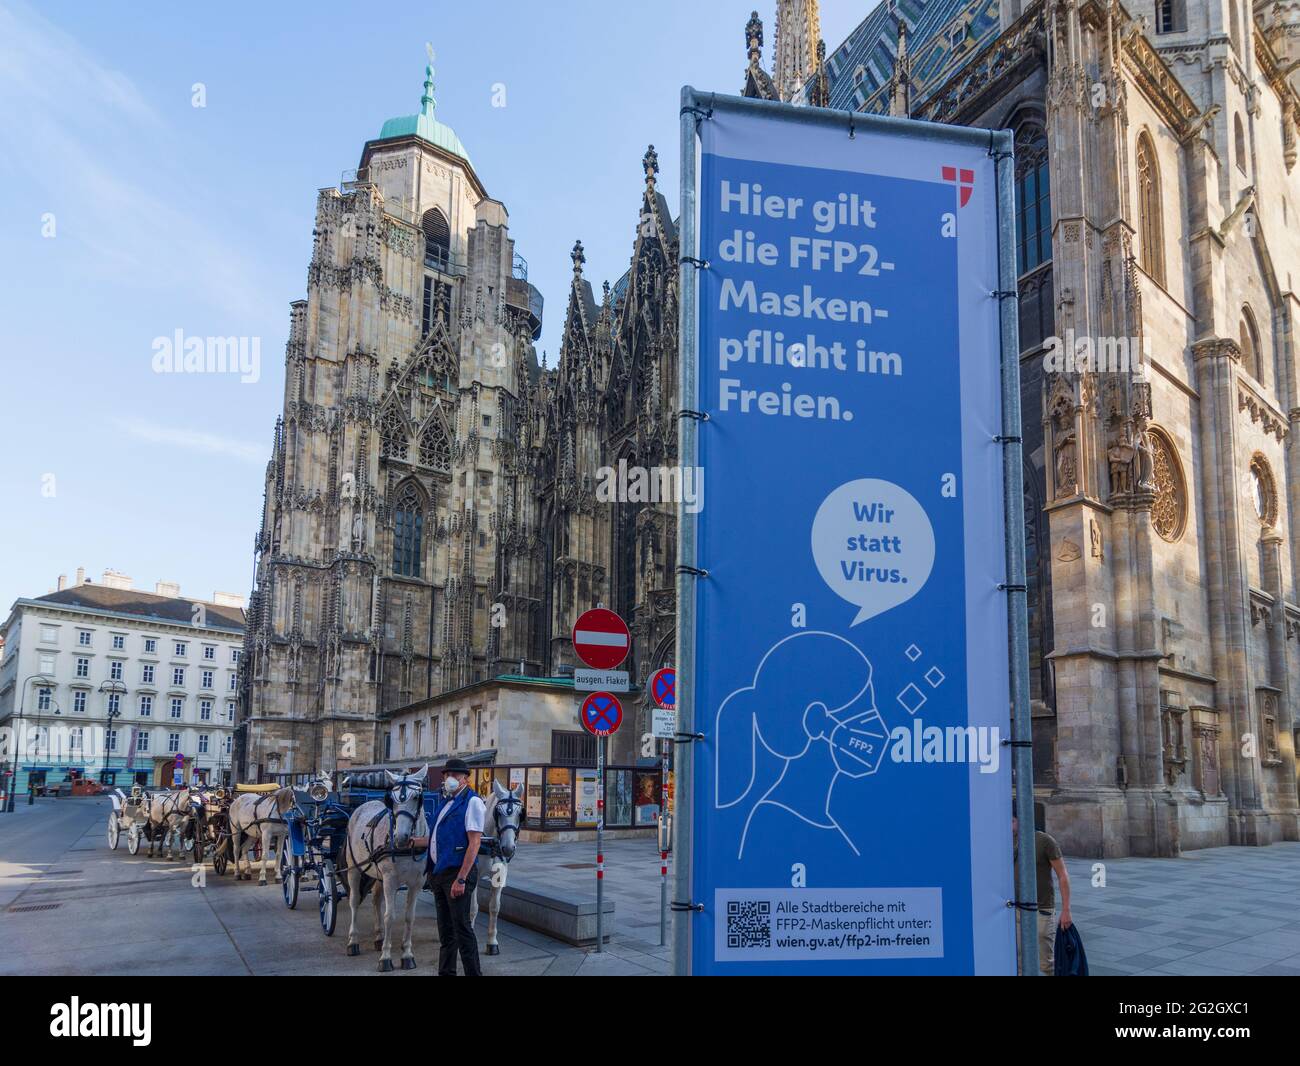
(798, 29)
(819, 89)
(650, 161)
(758, 83)
(900, 84)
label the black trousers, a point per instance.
(454, 930)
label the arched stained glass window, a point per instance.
(408, 532)
(394, 435)
(435, 448)
(1249, 339)
(1033, 201)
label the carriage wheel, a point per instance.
(327, 890)
(288, 878)
(114, 830)
(133, 840)
(219, 858)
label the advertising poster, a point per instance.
(852, 801)
(585, 815)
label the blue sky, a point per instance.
(128, 214)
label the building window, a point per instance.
(150, 646)
(478, 727)
(1033, 201)
(1249, 338)
(44, 698)
(437, 239)
(119, 642)
(1170, 16)
(110, 740)
(181, 648)
(230, 710)
(394, 435)
(203, 743)
(178, 676)
(142, 742)
(75, 738)
(1150, 226)
(234, 682)
(435, 448)
(206, 679)
(453, 742)
(228, 740)
(146, 674)
(115, 670)
(79, 701)
(408, 527)
(209, 651)
(114, 702)
(83, 638)
(205, 710)
(1239, 142)
(49, 635)
(146, 706)
(234, 656)
(434, 724)
(83, 667)
(1169, 510)
(47, 664)
(173, 743)
(1263, 490)
(178, 705)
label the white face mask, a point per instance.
(451, 785)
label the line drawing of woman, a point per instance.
(811, 704)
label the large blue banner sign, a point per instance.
(851, 795)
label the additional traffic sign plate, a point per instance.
(663, 688)
(663, 723)
(601, 714)
(600, 680)
(601, 639)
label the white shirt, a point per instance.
(475, 814)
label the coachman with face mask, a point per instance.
(452, 867)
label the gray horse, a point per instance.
(258, 818)
(380, 855)
(503, 816)
(170, 814)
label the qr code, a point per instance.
(749, 924)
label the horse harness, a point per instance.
(491, 846)
(387, 850)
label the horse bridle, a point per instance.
(509, 803)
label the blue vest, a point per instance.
(450, 837)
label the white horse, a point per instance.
(170, 813)
(258, 818)
(380, 856)
(502, 819)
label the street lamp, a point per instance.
(111, 689)
(45, 682)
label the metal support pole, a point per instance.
(664, 829)
(1026, 887)
(600, 842)
(684, 659)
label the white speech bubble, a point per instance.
(873, 544)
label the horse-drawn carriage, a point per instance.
(317, 826)
(159, 817)
(210, 832)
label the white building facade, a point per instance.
(113, 683)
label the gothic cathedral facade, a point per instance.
(1158, 247)
(431, 516)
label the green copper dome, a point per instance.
(424, 125)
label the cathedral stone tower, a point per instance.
(398, 554)
(798, 29)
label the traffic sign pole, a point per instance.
(600, 842)
(664, 829)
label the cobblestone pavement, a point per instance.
(1215, 911)
(68, 905)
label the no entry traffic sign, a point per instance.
(601, 714)
(601, 639)
(663, 687)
